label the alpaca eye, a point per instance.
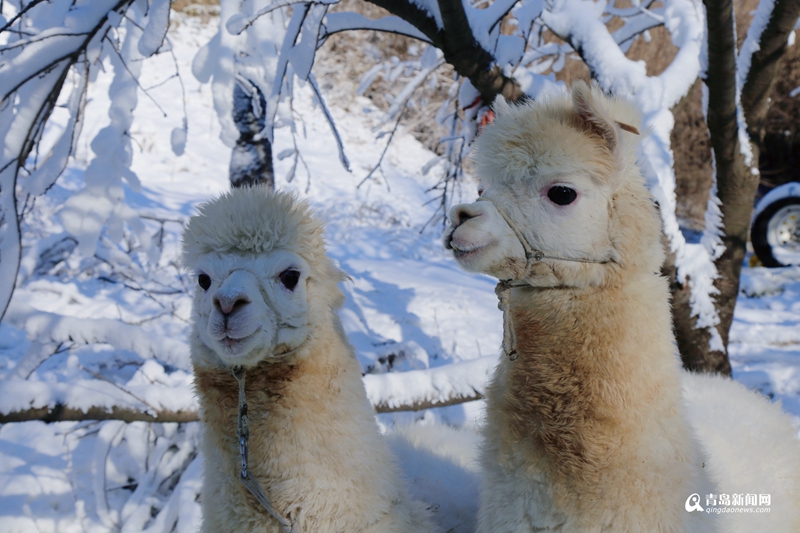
(561, 195)
(204, 281)
(289, 278)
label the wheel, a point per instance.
(776, 233)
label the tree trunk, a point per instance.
(251, 159)
(737, 182)
(693, 342)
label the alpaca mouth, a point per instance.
(233, 342)
(462, 251)
(230, 343)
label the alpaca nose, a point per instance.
(463, 212)
(228, 303)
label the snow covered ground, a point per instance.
(116, 323)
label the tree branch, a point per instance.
(764, 64)
(62, 413)
(21, 12)
(459, 46)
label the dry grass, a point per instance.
(203, 9)
(182, 5)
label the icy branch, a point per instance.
(636, 26)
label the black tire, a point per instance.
(759, 232)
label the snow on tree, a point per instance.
(46, 47)
(263, 49)
(510, 63)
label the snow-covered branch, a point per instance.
(32, 56)
(450, 31)
(342, 157)
(44, 42)
(57, 329)
(412, 390)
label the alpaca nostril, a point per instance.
(462, 214)
(227, 305)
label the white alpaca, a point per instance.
(594, 427)
(267, 301)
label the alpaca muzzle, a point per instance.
(503, 288)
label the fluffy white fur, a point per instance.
(596, 428)
(314, 443)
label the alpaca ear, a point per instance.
(500, 106)
(592, 117)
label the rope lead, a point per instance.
(503, 292)
(243, 435)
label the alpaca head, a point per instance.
(262, 277)
(564, 173)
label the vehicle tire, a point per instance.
(775, 233)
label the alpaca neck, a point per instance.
(311, 427)
(596, 379)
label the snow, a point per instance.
(423, 329)
(485, 23)
(743, 58)
(156, 29)
(86, 213)
(778, 193)
(751, 41)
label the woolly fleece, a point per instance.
(595, 427)
(314, 445)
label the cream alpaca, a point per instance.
(595, 427)
(267, 300)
